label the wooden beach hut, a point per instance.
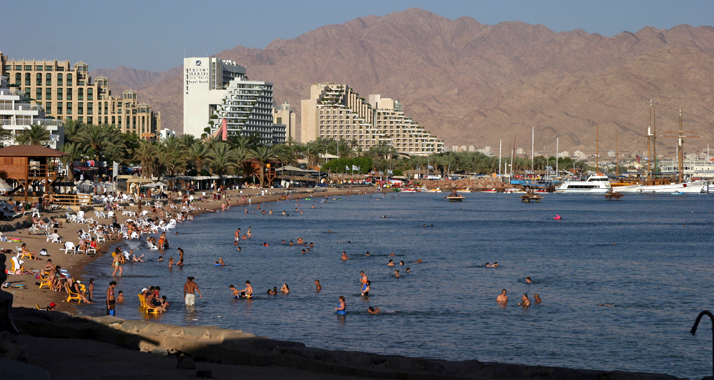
(28, 166)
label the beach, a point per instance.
(31, 296)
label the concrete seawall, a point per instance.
(217, 345)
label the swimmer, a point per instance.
(528, 280)
(303, 251)
(390, 263)
(494, 265)
(318, 287)
(283, 242)
(537, 298)
(220, 261)
(312, 245)
(373, 310)
(401, 263)
(235, 291)
(396, 272)
(171, 262)
(161, 258)
(408, 270)
(391, 254)
(418, 261)
(363, 277)
(344, 256)
(273, 291)
(365, 289)
(367, 254)
(342, 308)
(525, 302)
(606, 305)
(502, 298)
(238, 249)
(285, 289)
(248, 291)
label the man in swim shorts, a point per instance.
(189, 292)
(248, 291)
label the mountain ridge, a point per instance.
(473, 84)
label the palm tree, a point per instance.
(221, 158)
(35, 135)
(94, 137)
(187, 140)
(285, 154)
(75, 153)
(146, 154)
(197, 154)
(72, 128)
(263, 154)
(4, 133)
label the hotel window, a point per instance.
(113, 120)
(38, 96)
(28, 68)
(18, 67)
(90, 94)
(69, 79)
(59, 108)
(59, 80)
(69, 108)
(80, 108)
(48, 107)
(69, 94)
(38, 68)
(118, 120)
(59, 94)
(80, 94)
(38, 79)
(81, 119)
(48, 94)
(48, 68)
(27, 92)
(90, 119)
(106, 108)
(48, 79)
(18, 79)
(28, 81)
(90, 108)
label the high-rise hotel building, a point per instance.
(67, 92)
(215, 90)
(336, 111)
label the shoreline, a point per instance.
(31, 296)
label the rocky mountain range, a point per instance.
(473, 84)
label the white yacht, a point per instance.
(596, 183)
(687, 187)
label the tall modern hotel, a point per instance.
(336, 111)
(215, 90)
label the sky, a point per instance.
(155, 35)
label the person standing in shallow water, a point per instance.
(111, 300)
(502, 298)
(342, 308)
(189, 292)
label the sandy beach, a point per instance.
(31, 296)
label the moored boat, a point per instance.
(596, 183)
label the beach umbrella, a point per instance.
(4, 186)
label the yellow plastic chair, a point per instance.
(147, 309)
(72, 296)
(45, 281)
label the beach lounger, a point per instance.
(69, 248)
(147, 309)
(72, 296)
(45, 280)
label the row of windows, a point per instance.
(37, 68)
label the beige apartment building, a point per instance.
(282, 114)
(336, 111)
(67, 92)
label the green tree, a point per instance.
(72, 129)
(263, 154)
(221, 159)
(35, 135)
(197, 154)
(75, 152)
(145, 153)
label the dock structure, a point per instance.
(613, 195)
(531, 197)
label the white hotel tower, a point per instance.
(215, 89)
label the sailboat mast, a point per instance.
(617, 153)
(533, 150)
(557, 154)
(597, 149)
(681, 150)
(654, 138)
(500, 141)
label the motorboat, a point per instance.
(695, 187)
(596, 183)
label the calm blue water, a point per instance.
(651, 256)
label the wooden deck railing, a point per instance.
(71, 199)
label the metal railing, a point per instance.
(696, 324)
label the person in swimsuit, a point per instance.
(373, 310)
(537, 298)
(390, 263)
(344, 256)
(418, 261)
(237, 237)
(120, 297)
(365, 289)
(342, 308)
(285, 289)
(236, 293)
(525, 302)
(363, 278)
(180, 262)
(502, 298)
(118, 261)
(528, 280)
(111, 301)
(248, 291)
(396, 273)
(318, 287)
(189, 292)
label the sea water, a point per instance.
(650, 256)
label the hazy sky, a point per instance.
(153, 34)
